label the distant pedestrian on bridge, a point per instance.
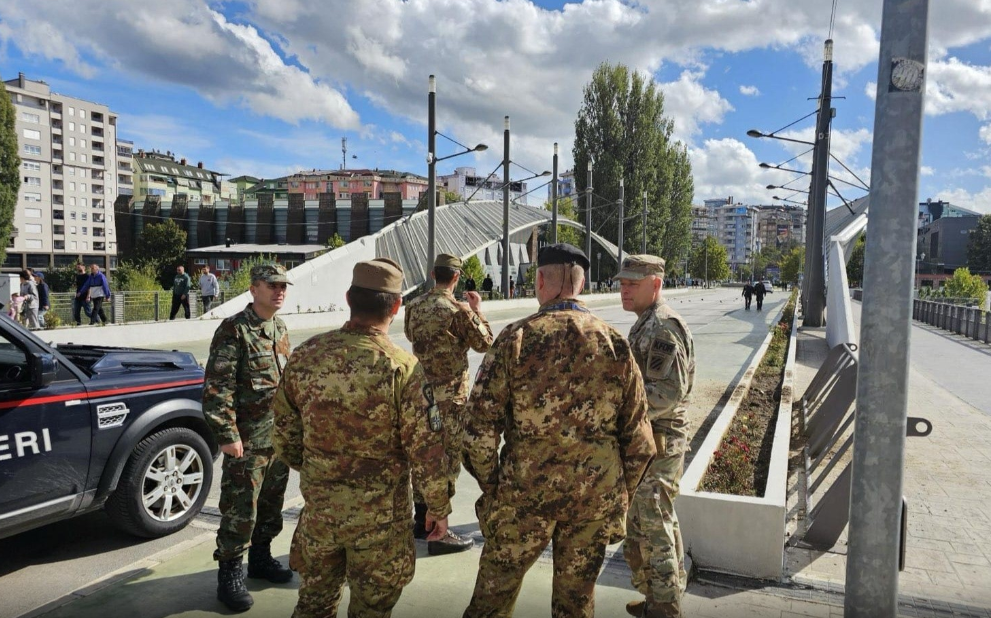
(748, 294)
(665, 353)
(487, 285)
(209, 288)
(180, 292)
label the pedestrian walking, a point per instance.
(80, 303)
(665, 353)
(759, 292)
(470, 284)
(29, 308)
(209, 288)
(487, 285)
(96, 289)
(365, 412)
(180, 292)
(748, 293)
(442, 330)
(44, 297)
(512, 288)
(248, 355)
(562, 390)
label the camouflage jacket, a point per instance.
(663, 347)
(441, 330)
(351, 416)
(247, 358)
(563, 390)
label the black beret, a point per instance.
(562, 253)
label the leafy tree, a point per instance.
(566, 233)
(450, 197)
(717, 261)
(133, 277)
(965, 287)
(979, 247)
(163, 245)
(472, 269)
(792, 265)
(335, 241)
(622, 128)
(10, 168)
(240, 281)
(855, 265)
(61, 279)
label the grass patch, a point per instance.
(740, 464)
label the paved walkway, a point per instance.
(947, 479)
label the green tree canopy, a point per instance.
(792, 265)
(717, 262)
(162, 245)
(472, 269)
(335, 241)
(855, 265)
(566, 233)
(10, 168)
(964, 286)
(622, 129)
(979, 247)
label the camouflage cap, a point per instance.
(447, 260)
(639, 266)
(378, 275)
(270, 273)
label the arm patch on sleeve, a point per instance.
(660, 359)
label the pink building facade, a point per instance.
(345, 183)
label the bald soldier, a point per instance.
(354, 415)
(562, 389)
(665, 353)
(442, 330)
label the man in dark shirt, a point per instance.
(759, 292)
(80, 302)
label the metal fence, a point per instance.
(131, 307)
(972, 322)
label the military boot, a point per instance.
(451, 543)
(419, 521)
(230, 586)
(261, 565)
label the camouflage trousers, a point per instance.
(376, 572)
(252, 490)
(513, 542)
(653, 547)
(453, 413)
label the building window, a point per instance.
(82, 158)
(72, 229)
(73, 244)
(82, 202)
(32, 228)
(72, 186)
(72, 125)
(71, 171)
(72, 201)
(32, 134)
(85, 231)
(82, 143)
(72, 214)
(32, 243)
(32, 181)
(82, 186)
(82, 128)
(30, 118)
(72, 141)
(32, 166)
(32, 197)
(345, 195)
(82, 216)
(32, 213)
(72, 156)
(32, 150)
(72, 111)
(85, 245)
(344, 184)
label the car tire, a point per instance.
(164, 484)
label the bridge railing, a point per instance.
(971, 322)
(130, 307)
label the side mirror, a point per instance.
(44, 368)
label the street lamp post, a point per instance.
(505, 208)
(918, 269)
(643, 246)
(598, 266)
(554, 200)
(619, 235)
(588, 222)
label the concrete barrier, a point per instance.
(741, 535)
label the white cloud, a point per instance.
(955, 86)
(725, 167)
(927, 171)
(985, 133)
(690, 104)
(163, 133)
(978, 200)
(750, 91)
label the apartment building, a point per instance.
(466, 183)
(345, 183)
(565, 186)
(69, 179)
(161, 174)
(781, 226)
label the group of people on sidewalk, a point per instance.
(753, 290)
(33, 301)
(592, 426)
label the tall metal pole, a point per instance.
(554, 200)
(619, 231)
(505, 209)
(886, 322)
(815, 280)
(431, 178)
(588, 224)
(643, 246)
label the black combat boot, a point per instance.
(450, 544)
(261, 565)
(230, 586)
(419, 521)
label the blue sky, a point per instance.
(267, 87)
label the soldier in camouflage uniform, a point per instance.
(562, 389)
(665, 353)
(442, 330)
(247, 357)
(354, 414)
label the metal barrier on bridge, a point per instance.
(971, 322)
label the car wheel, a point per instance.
(164, 484)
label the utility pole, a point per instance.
(619, 230)
(505, 208)
(344, 153)
(643, 246)
(431, 179)
(883, 368)
(588, 224)
(554, 200)
(815, 281)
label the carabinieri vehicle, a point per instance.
(87, 427)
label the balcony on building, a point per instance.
(98, 232)
(57, 154)
(98, 203)
(97, 160)
(124, 180)
(96, 132)
(56, 127)
(58, 215)
(124, 166)
(98, 217)
(58, 230)
(56, 111)
(56, 170)
(57, 185)
(97, 189)
(99, 246)
(96, 117)
(58, 200)
(59, 245)
(96, 174)
(97, 146)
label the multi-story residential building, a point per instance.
(69, 167)
(700, 224)
(466, 183)
(345, 183)
(278, 188)
(161, 174)
(125, 167)
(565, 185)
(781, 226)
(930, 211)
(736, 230)
(239, 187)
(942, 244)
